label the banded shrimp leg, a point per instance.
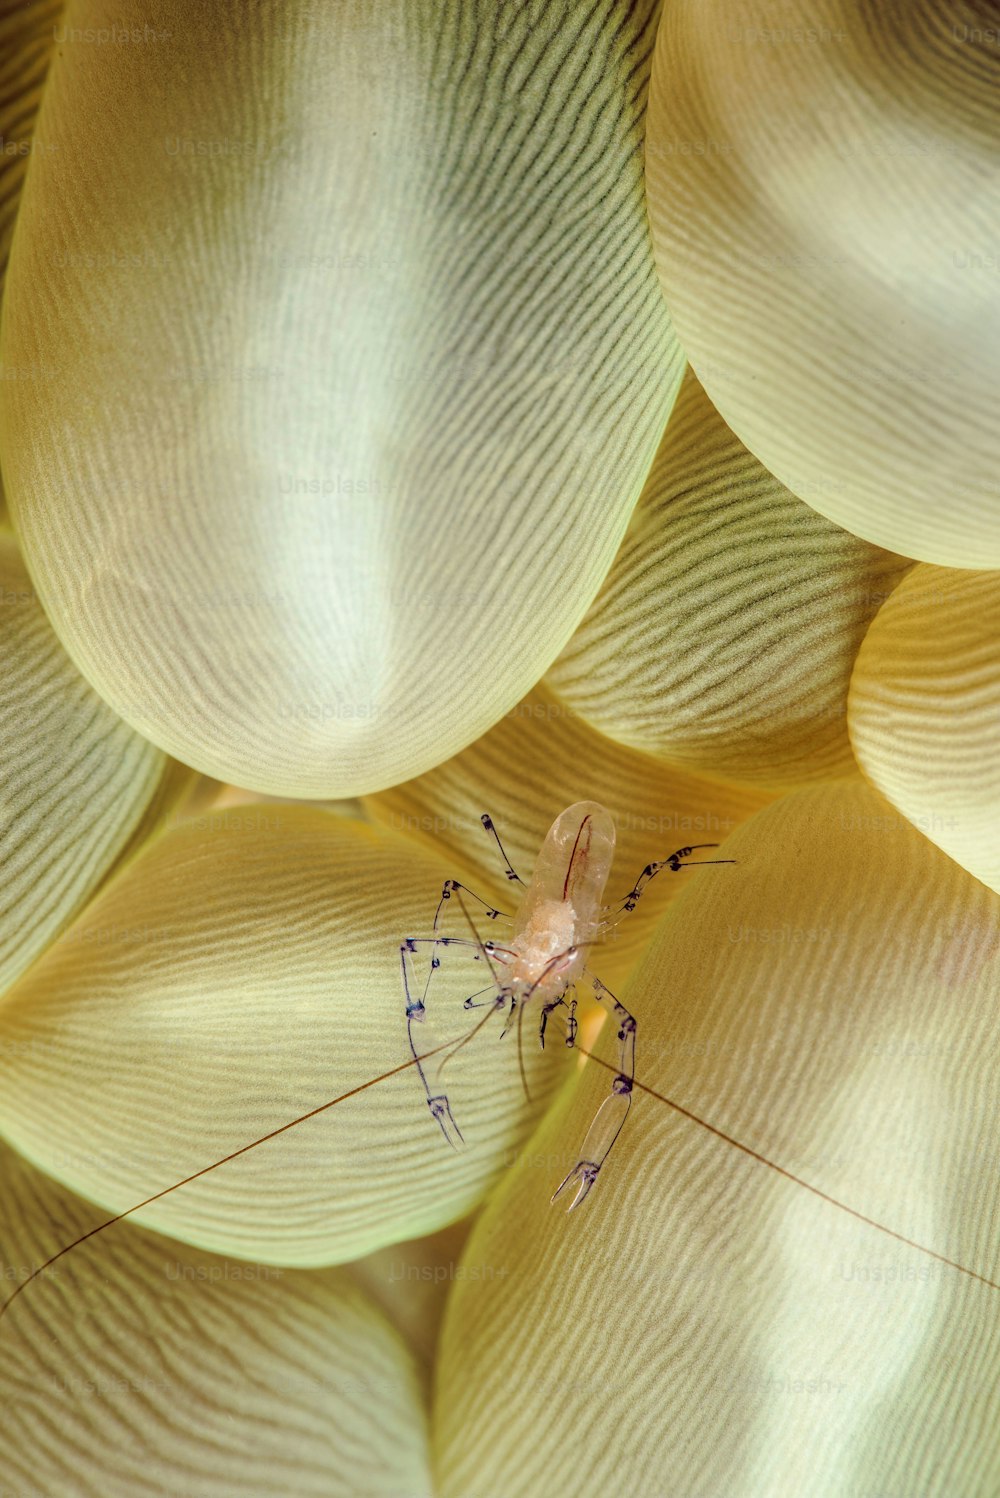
(416, 1013)
(610, 1117)
(612, 1113)
(483, 951)
(674, 862)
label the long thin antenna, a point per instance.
(687, 1113)
(158, 1195)
(483, 949)
(520, 1055)
(465, 1038)
(789, 1176)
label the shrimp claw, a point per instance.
(416, 1013)
(584, 1171)
(441, 1110)
(612, 1113)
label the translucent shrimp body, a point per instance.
(558, 920)
(560, 913)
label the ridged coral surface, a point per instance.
(499, 710)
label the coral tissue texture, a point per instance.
(359, 348)
(824, 193)
(429, 431)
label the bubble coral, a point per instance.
(410, 412)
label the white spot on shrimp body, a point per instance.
(549, 932)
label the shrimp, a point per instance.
(558, 918)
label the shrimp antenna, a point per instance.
(520, 1055)
(687, 1113)
(788, 1175)
(204, 1171)
(487, 822)
(466, 1038)
(484, 951)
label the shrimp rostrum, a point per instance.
(559, 918)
